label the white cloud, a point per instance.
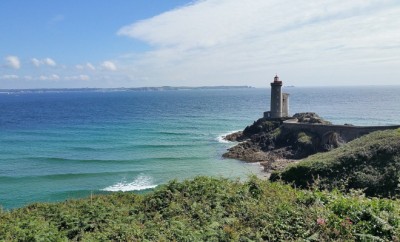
(9, 77)
(13, 62)
(46, 61)
(109, 65)
(79, 67)
(49, 62)
(35, 62)
(84, 77)
(52, 77)
(231, 41)
(87, 66)
(90, 66)
(78, 78)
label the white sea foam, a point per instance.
(221, 138)
(142, 182)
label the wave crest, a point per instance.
(221, 138)
(142, 182)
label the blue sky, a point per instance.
(56, 44)
(73, 30)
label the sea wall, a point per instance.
(345, 132)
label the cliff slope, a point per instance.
(371, 163)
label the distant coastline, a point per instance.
(162, 88)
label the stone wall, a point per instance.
(345, 133)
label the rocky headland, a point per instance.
(268, 142)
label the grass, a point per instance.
(209, 209)
(303, 138)
(371, 163)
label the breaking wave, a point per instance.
(221, 138)
(142, 182)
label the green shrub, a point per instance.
(370, 163)
(303, 138)
(208, 209)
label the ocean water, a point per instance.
(69, 144)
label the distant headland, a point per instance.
(161, 88)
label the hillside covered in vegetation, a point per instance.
(370, 163)
(209, 209)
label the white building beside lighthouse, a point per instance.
(279, 106)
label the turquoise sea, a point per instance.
(57, 145)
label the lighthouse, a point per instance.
(276, 98)
(279, 105)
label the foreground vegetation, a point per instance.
(209, 209)
(370, 163)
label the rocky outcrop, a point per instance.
(310, 118)
(237, 136)
(267, 142)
